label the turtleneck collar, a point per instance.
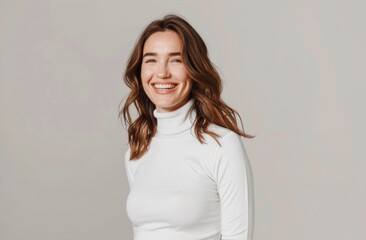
(176, 121)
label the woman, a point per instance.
(188, 172)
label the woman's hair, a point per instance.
(206, 89)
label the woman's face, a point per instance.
(164, 76)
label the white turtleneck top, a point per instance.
(181, 189)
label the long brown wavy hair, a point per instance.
(206, 89)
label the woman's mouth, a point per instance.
(164, 86)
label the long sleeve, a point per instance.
(234, 179)
(128, 166)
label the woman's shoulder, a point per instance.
(225, 134)
(221, 131)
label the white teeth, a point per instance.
(164, 86)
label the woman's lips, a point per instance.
(164, 87)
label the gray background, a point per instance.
(292, 69)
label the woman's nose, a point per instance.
(163, 72)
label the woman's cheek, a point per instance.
(146, 74)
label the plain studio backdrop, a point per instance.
(294, 70)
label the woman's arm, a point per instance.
(128, 166)
(234, 179)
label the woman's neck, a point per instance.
(176, 121)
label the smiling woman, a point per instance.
(187, 169)
(164, 76)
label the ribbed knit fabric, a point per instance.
(181, 189)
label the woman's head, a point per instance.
(164, 77)
(193, 54)
(169, 65)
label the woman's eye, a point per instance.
(150, 60)
(177, 60)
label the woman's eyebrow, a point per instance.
(155, 54)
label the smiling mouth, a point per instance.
(164, 86)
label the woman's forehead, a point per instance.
(163, 43)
